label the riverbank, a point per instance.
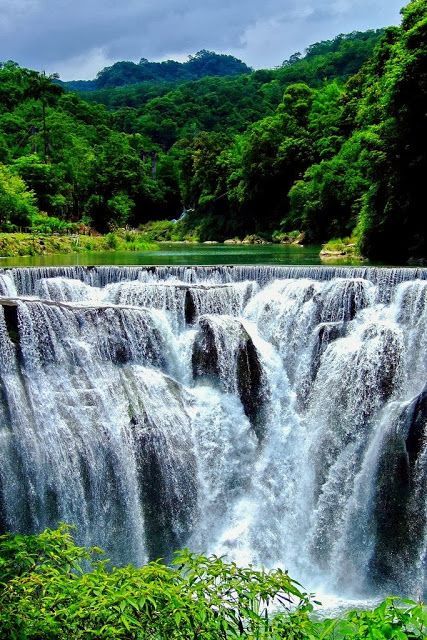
(341, 248)
(27, 244)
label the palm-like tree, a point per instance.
(41, 87)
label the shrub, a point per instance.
(345, 246)
(111, 241)
(46, 593)
(167, 230)
(17, 204)
(50, 588)
(43, 223)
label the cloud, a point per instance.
(77, 38)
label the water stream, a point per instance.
(274, 414)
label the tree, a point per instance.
(41, 87)
(17, 204)
(392, 222)
(41, 179)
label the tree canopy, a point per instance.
(331, 143)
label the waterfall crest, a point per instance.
(275, 414)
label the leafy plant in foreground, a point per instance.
(50, 588)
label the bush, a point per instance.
(344, 246)
(52, 589)
(17, 204)
(287, 237)
(120, 209)
(111, 241)
(41, 223)
(168, 231)
(45, 593)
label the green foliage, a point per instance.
(229, 102)
(112, 240)
(373, 182)
(46, 240)
(17, 204)
(75, 163)
(203, 63)
(391, 220)
(327, 201)
(121, 207)
(45, 593)
(166, 231)
(52, 589)
(50, 224)
(339, 58)
(331, 143)
(287, 237)
(394, 618)
(40, 178)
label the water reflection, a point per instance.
(191, 254)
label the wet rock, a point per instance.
(205, 354)
(11, 321)
(390, 348)
(250, 384)
(325, 334)
(254, 239)
(167, 480)
(190, 308)
(343, 298)
(399, 509)
(416, 417)
(126, 336)
(227, 355)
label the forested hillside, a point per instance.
(203, 63)
(65, 157)
(330, 144)
(232, 103)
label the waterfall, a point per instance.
(274, 414)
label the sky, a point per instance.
(78, 38)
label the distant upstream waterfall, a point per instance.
(274, 414)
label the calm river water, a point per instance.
(185, 254)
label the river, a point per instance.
(181, 254)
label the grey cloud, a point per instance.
(76, 36)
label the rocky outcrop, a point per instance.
(11, 320)
(343, 299)
(325, 334)
(167, 482)
(399, 504)
(254, 239)
(190, 308)
(215, 346)
(249, 239)
(250, 384)
(205, 354)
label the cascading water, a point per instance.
(275, 414)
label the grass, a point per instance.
(27, 244)
(345, 247)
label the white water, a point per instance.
(265, 413)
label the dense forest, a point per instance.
(203, 63)
(331, 143)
